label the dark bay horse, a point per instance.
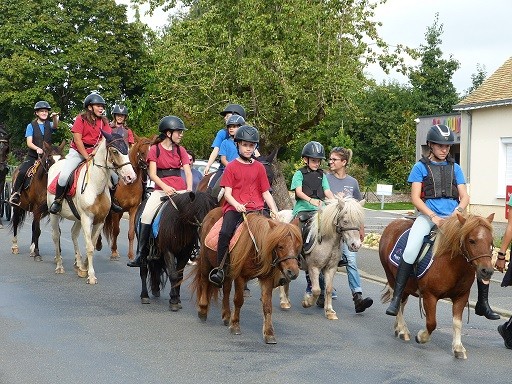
(33, 198)
(178, 234)
(4, 168)
(266, 249)
(463, 247)
(129, 197)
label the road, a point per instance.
(56, 328)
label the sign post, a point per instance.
(384, 190)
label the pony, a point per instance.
(462, 247)
(178, 234)
(338, 220)
(129, 197)
(33, 198)
(91, 203)
(266, 249)
(4, 170)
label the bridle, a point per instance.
(114, 167)
(470, 260)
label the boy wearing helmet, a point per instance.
(165, 159)
(38, 131)
(438, 190)
(120, 114)
(86, 135)
(246, 189)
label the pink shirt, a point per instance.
(248, 183)
(91, 134)
(169, 159)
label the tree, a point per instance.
(61, 50)
(432, 79)
(476, 79)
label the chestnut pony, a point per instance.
(33, 198)
(266, 249)
(462, 248)
(129, 197)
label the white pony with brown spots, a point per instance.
(91, 200)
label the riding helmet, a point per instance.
(440, 134)
(235, 109)
(171, 123)
(119, 110)
(313, 150)
(247, 133)
(42, 105)
(235, 120)
(93, 98)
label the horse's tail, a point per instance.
(21, 214)
(199, 274)
(387, 294)
(108, 227)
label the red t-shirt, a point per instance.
(125, 132)
(170, 159)
(248, 183)
(91, 134)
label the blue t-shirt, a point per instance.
(220, 137)
(228, 149)
(442, 206)
(29, 131)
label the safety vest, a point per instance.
(162, 172)
(440, 180)
(312, 183)
(38, 138)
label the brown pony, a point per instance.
(33, 198)
(267, 250)
(4, 170)
(128, 197)
(463, 247)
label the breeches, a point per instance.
(152, 206)
(420, 228)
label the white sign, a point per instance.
(384, 190)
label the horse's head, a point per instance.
(117, 156)
(51, 154)
(267, 163)
(139, 153)
(348, 220)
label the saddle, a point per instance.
(212, 238)
(305, 221)
(423, 260)
(70, 184)
(29, 175)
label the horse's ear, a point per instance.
(490, 218)
(461, 218)
(136, 138)
(273, 155)
(106, 135)
(46, 147)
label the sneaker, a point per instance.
(334, 295)
(309, 292)
(506, 334)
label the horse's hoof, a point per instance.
(81, 273)
(92, 280)
(38, 258)
(202, 317)
(460, 355)
(225, 322)
(155, 293)
(174, 307)
(235, 330)
(114, 258)
(285, 306)
(331, 316)
(15, 250)
(270, 339)
(306, 304)
(59, 270)
(145, 300)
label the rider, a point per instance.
(310, 185)
(438, 191)
(118, 125)
(246, 189)
(165, 158)
(38, 131)
(341, 182)
(86, 136)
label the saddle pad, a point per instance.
(155, 225)
(52, 187)
(422, 266)
(212, 238)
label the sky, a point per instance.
(475, 32)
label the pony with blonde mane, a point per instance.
(266, 249)
(462, 248)
(338, 220)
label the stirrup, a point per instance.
(55, 207)
(15, 199)
(216, 277)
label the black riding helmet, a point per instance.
(42, 105)
(440, 134)
(247, 133)
(93, 98)
(235, 109)
(171, 123)
(235, 120)
(119, 110)
(313, 150)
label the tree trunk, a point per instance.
(280, 189)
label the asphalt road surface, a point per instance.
(57, 329)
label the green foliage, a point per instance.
(476, 79)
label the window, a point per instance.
(504, 166)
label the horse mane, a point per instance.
(324, 219)
(453, 233)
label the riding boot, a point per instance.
(402, 275)
(361, 304)
(57, 203)
(482, 307)
(505, 330)
(216, 275)
(16, 196)
(114, 207)
(142, 246)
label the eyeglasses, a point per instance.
(333, 160)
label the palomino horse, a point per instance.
(91, 200)
(4, 169)
(128, 196)
(339, 220)
(463, 247)
(33, 198)
(178, 233)
(266, 249)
